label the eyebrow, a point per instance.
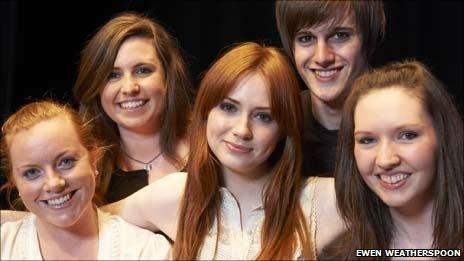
(138, 65)
(404, 126)
(237, 102)
(26, 166)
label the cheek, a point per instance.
(354, 53)
(86, 179)
(28, 190)
(106, 97)
(364, 161)
(156, 82)
(423, 157)
(269, 137)
(216, 124)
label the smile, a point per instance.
(327, 73)
(59, 201)
(237, 148)
(393, 179)
(132, 104)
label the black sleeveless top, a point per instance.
(124, 183)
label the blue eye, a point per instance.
(366, 140)
(341, 36)
(264, 117)
(143, 70)
(228, 107)
(408, 135)
(66, 163)
(114, 75)
(304, 39)
(31, 174)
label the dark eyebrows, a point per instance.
(343, 29)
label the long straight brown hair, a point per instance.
(284, 225)
(96, 64)
(370, 224)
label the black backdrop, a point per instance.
(40, 41)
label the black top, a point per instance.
(125, 183)
(319, 144)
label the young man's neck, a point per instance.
(328, 115)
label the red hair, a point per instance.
(284, 225)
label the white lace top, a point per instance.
(118, 240)
(236, 244)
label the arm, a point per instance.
(329, 222)
(10, 215)
(155, 206)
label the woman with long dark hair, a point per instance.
(399, 173)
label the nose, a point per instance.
(54, 182)
(323, 54)
(387, 156)
(242, 128)
(130, 86)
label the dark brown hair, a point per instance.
(284, 225)
(370, 224)
(96, 63)
(292, 16)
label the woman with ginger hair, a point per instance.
(50, 156)
(243, 197)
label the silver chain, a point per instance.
(147, 165)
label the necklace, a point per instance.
(147, 165)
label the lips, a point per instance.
(393, 181)
(237, 148)
(60, 201)
(132, 104)
(327, 74)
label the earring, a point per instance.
(96, 173)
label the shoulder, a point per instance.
(328, 219)
(143, 243)
(12, 227)
(323, 186)
(13, 236)
(318, 196)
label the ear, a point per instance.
(95, 156)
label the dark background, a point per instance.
(40, 41)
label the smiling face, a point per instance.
(241, 131)
(395, 147)
(53, 172)
(329, 57)
(134, 94)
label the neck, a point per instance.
(247, 189)
(75, 241)
(142, 147)
(328, 115)
(413, 227)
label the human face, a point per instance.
(395, 147)
(240, 129)
(134, 94)
(53, 172)
(328, 58)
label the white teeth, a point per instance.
(59, 201)
(393, 179)
(131, 104)
(325, 73)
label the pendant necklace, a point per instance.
(146, 165)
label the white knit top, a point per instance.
(118, 240)
(233, 243)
